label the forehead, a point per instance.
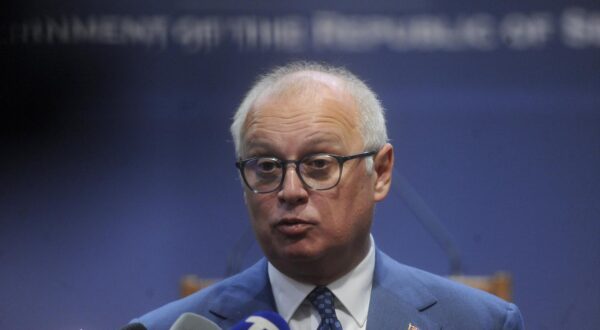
(305, 111)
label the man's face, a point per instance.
(307, 234)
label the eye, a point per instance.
(267, 165)
(318, 162)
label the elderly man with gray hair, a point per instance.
(314, 157)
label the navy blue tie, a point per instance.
(322, 299)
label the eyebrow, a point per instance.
(324, 137)
(261, 146)
(258, 144)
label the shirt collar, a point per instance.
(349, 289)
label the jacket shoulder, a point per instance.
(450, 304)
(209, 301)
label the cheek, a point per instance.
(356, 187)
(257, 209)
(260, 208)
(355, 202)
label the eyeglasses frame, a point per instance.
(241, 164)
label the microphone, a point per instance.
(134, 326)
(191, 321)
(262, 321)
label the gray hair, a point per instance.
(372, 125)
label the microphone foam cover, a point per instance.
(265, 320)
(134, 326)
(191, 321)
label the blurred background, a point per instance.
(117, 173)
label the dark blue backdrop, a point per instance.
(117, 171)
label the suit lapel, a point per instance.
(244, 297)
(397, 298)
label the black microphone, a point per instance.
(134, 326)
(191, 321)
(262, 321)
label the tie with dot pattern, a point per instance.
(322, 299)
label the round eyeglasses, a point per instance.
(318, 171)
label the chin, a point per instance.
(299, 252)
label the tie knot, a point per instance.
(322, 299)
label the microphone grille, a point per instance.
(134, 326)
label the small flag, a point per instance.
(412, 327)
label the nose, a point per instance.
(292, 189)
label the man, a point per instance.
(313, 154)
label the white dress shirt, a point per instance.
(352, 295)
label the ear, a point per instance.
(383, 166)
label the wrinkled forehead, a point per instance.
(303, 98)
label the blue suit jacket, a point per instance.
(401, 295)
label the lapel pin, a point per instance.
(412, 327)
